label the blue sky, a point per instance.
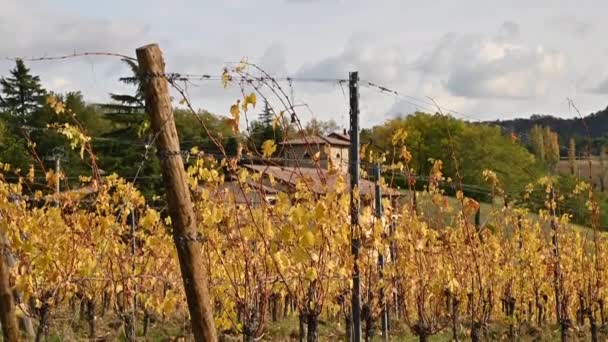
(485, 59)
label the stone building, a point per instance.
(317, 150)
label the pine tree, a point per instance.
(128, 116)
(128, 109)
(266, 117)
(22, 93)
(263, 129)
(572, 156)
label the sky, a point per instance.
(480, 59)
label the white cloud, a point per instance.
(509, 30)
(36, 29)
(499, 66)
(481, 67)
(601, 88)
(431, 91)
(571, 25)
(374, 61)
(57, 84)
(274, 60)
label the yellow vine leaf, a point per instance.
(76, 137)
(453, 285)
(363, 151)
(276, 121)
(235, 111)
(308, 239)
(31, 174)
(249, 100)
(53, 178)
(405, 154)
(57, 106)
(311, 274)
(399, 136)
(226, 78)
(268, 148)
(168, 304)
(242, 65)
(317, 156)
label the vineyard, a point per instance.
(238, 250)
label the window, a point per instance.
(338, 155)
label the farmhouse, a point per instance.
(305, 160)
(310, 150)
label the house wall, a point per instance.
(302, 155)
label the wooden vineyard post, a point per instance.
(8, 318)
(189, 249)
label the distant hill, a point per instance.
(597, 124)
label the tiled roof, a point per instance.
(255, 194)
(340, 136)
(316, 140)
(316, 178)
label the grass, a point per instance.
(286, 330)
(68, 327)
(582, 169)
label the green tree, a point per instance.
(191, 133)
(476, 146)
(12, 148)
(22, 93)
(482, 147)
(128, 109)
(320, 127)
(263, 129)
(366, 135)
(124, 147)
(427, 137)
(49, 143)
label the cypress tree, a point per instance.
(538, 143)
(572, 156)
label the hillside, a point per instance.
(597, 124)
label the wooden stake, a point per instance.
(10, 328)
(189, 249)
